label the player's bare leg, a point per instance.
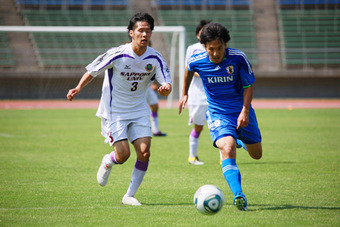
(142, 147)
(227, 147)
(255, 150)
(122, 151)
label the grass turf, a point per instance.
(49, 160)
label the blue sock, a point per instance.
(232, 175)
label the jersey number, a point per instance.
(134, 86)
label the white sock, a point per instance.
(193, 146)
(110, 160)
(137, 177)
(154, 122)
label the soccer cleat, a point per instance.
(240, 202)
(104, 170)
(129, 200)
(159, 133)
(195, 161)
(240, 144)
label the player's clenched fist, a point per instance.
(71, 93)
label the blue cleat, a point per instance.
(240, 202)
(240, 144)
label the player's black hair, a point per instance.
(141, 17)
(201, 25)
(214, 31)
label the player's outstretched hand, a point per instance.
(182, 103)
(71, 93)
(164, 90)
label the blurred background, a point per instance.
(293, 45)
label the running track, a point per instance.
(87, 104)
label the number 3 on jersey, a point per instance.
(134, 86)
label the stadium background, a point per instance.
(294, 45)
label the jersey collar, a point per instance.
(225, 57)
(218, 63)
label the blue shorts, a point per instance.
(225, 125)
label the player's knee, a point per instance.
(144, 157)
(198, 128)
(228, 153)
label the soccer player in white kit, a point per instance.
(129, 71)
(197, 102)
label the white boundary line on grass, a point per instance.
(58, 208)
(155, 206)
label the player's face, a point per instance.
(216, 50)
(141, 33)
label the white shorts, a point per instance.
(151, 96)
(197, 114)
(131, 129)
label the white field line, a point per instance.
(154, 206)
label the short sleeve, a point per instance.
(162, 71)
(246, 72)
(102, 62)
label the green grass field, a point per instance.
(49, 160)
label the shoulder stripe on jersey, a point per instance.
(115, 58)
(159, 61)
(240, 53)
(197, 57)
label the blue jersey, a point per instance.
(224, 83)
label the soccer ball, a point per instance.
(209, 199)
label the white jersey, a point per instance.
(127, 77)
(196, 91)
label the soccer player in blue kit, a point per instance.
(228, 80)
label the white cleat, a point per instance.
(195, 161)
(104, 170)
(129, 200)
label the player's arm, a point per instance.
(85, 80)
(243, 118)
(187, 81)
